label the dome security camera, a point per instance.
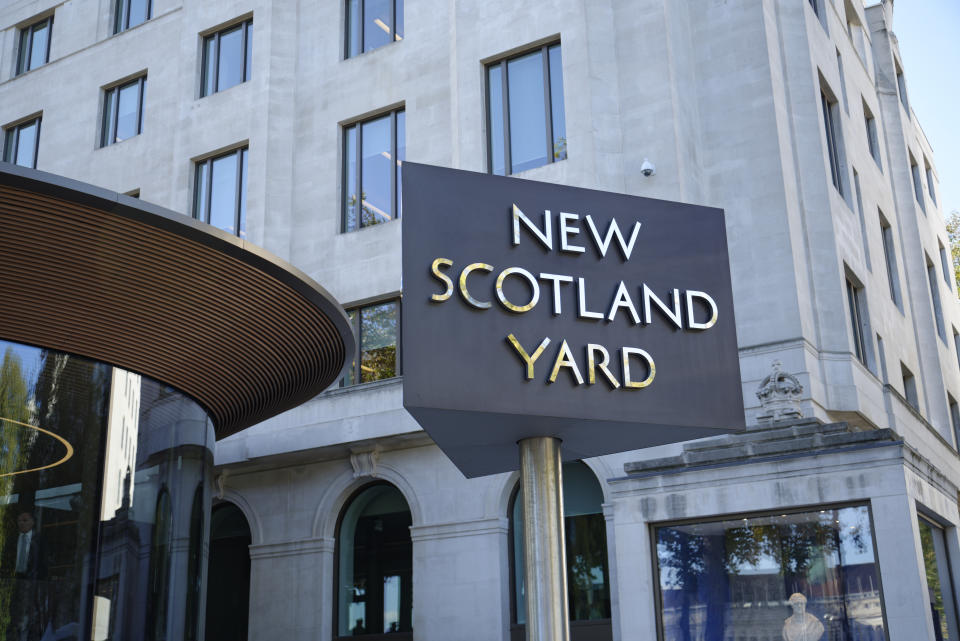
(647, 168)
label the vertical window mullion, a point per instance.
(208, 189)
(116, 116)
(359, 349)
(393, 165)
(363, 15)
(141, 86)
(243, 50)
(544, 53)
(216, 65)
(393, 21)
(49, 38)
(359, 177)
(236, 190)
(29, 52)
(507, 156)
(36, 144)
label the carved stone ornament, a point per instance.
(364, 462)
(779, 395)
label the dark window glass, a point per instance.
(890, 257)
(902, 89)
(377, 330)
(830, 121)
(130, 13)
(917, 185)
(226, 58)
(372, 24)
(935, 299)
(21, 143)
(375, 564)
(158, 585)
(220, 192)
(534, 134)
(195, 558)
(123, 111)
(585, 536)
(873, 142)
(933, 196)
(372, 190)
(34, 49)
(856, 321)
(954, 418)
(909, 387)
(936, 564)
(945, 266)
(811, 575)
(228, 604)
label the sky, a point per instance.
(929, 35)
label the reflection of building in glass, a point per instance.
(121, 447)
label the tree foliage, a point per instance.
(953, 231)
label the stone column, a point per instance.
(635, 580)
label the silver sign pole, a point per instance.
(544, 557)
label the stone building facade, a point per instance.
(793, 116)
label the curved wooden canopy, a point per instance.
(106, 276)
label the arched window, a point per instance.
(228, 575)
(374, 577)
(191, 618)
(588, 576)
(160, 568)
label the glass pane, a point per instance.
(353, 28)
(200, 191)
(230, 69)
(9, 139)
(528, 119)
(376, 169)
(228, 610)
(375, 564)
(139, 12)
(243, 193)
(119, 20)
(38, 50)
(495, 110)
(376, 23)
(938, 579)
(378, 342)
(350, 377)
(398, 35)
(109, 109)
(350, 179)
(248, 61)
(27, 145)
(556, 105)
(811, 575)
(23, 57)
(401, 156)
(128, 111)
(209, 65)
(223, 193)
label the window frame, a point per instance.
(246, 25)
(25, 49)
(901, 86)
(873, 135)
(917, 182)
(357, 125)
(859, 324)
(207, 191)
(929, 173)
(10, 148)
(909, 381)
(831, 108)
(356, 326)
(544, 50)
(112, 93)
(890, 258)
(361, 14)
(935, 301)
(121, 19)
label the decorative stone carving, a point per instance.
(779, 395)
(364, 462)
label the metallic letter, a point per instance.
(566, 230)
(692, 324)
(463, 283)
(529, 359)
(557, 279)
(592, 365)
(565, 359)
(622, 299)
(534, 299)
(435, 268)
(625, 353)
(625, 248)
(673, 315)
(545, 236)
(581, 296)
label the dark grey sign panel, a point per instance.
(533, 309)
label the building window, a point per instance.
(377, 328)
(228, 605)
(130, 13)
(526, 126)
(22, 142)
(936, 561)
(929, 172)
(902, 87)
(917, 185)
(873, 141)
(585, 536)
(945, 266)
(372, 24)
(123, 111)
(220, 191)
(935, 298)
(831, 122)
(227, 57)
(909, 387)
(857, 320)
(863, 223)
(882, 357)
(843, 83)
(374, 574)
(739, 578)
(890, 257)
(34, 48)
(954, 418)
(373, 155)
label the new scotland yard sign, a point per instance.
(534, 309)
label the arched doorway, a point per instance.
(228, 578)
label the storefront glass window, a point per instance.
(797, 577)
(99, 470)
(939, 583)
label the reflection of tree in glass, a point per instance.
(587, 567)
(560, 148)
(378, 341)
(369, 213)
